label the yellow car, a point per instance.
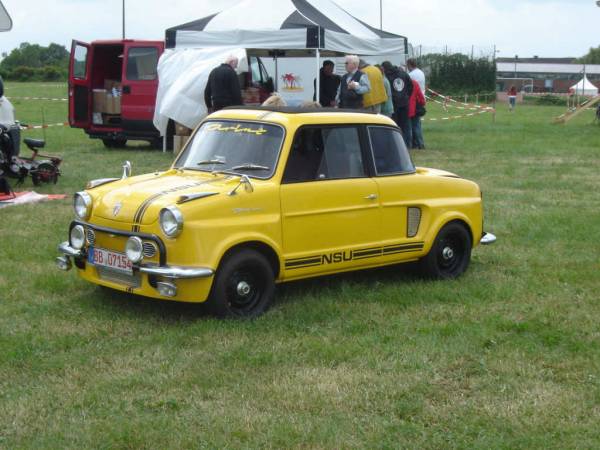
(260, 196)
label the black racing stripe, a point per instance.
(402, 247)
(400, 251)
(303, 267)
(304, 258)
(356, 258)
(302, 263)
(367, 253)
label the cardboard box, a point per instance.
(109, 84)
(251, 96)
(113, 105)
(182, 130)
(179, 142)
(99, 103)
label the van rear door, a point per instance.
(80, 81)
(140, 83)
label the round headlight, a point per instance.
(171, 221)
(77, 237)
(82, 204)
(134, 249)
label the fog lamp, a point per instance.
(63, 263)
(166, 288)
(134, 249)
(77, 237)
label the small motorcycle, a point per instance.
(12, 165)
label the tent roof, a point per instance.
(289, 24)
(584, 85)
(5, 20)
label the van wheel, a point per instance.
(450, 254)
(114, 143)
(243, 287)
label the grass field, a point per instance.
(508, 356)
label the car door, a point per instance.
(400, 197)
(80, 81)
(330, 211)
(140, 84)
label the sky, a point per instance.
(555, 28)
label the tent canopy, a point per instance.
(585, 87)
(5, 20)
(289, 25)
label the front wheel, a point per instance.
(243, 287)
(450, 254)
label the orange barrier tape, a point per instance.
(441, 119)
(39, 127)
(470, 105)
(38, 98)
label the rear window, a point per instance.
(141, 63)
(80, 61)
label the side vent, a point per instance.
(413, 221)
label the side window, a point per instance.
(324, 154)
(141, 63)
(80, 61)
(255, 70)
(389, 152)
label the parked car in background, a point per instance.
(260, 196)
(113, 86)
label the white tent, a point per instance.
(291, 27)
(5, 20)
(584, 87)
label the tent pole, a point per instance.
(276, 73)
(318, 79)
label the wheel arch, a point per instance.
(265, 249)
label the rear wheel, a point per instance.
(114, 143)
(450, 254)
(44, 173)
(243, 287)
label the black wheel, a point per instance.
(114, 143)
(243, 286)
(450, 254)
(44, 173)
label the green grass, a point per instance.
(508, 356)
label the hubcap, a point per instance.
(448, 253)
(243, 288)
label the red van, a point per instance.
(113, 85)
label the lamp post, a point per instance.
(516, 59)
(381, 14)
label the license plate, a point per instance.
(107, 258)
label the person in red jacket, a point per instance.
(416, 98)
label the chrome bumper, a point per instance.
(487, 239)
(173, 272)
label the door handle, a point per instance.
(371, 197)
(126, 89)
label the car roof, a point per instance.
(300, 116)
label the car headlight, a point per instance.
(77, 237)
(171, 221)
(134, 249)
(82, 204)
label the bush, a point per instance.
(458, 74)
(550, 100)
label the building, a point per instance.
(535, 74)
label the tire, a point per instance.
(244, 286)
(450, 254)
(114, 143)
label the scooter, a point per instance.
(12, 165)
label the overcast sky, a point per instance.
(551, 28)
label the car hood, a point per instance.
(139, 199)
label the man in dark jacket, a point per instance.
(402, 88)
(328, 86)
(223, 86)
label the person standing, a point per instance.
(387, 108)
(329, 83)
(223, 87)
(402, 88)
(416, 99)
(353, 86)
(512, 98)
(417, 131)
(376, 97)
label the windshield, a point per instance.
(242, 147)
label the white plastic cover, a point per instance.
(182, 78)
(7, 112)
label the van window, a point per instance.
(255, 69)
(80, 61)
(141, 63)
(324, 154)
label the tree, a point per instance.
(592, 57)
(34, 62)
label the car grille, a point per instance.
(90, 236)
(149, 249)
(134, 281)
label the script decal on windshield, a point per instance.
(235, 129)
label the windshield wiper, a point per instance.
(250, 166)
(210, 161)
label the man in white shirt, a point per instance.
(417, 75)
